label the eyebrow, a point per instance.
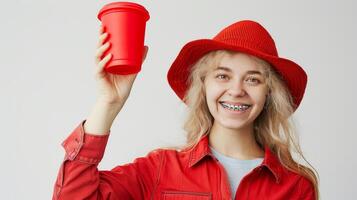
(229, 70)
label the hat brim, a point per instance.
(293, 75)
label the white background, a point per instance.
(48, 88)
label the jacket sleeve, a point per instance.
(307, 191)
(79, 177)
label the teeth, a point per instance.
(233, 107)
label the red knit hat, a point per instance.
(243, 36)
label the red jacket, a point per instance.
(168, 175)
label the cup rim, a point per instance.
(120, 6)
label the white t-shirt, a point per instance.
(235, 168)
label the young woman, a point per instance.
(240, 136)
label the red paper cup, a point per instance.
(125, 23)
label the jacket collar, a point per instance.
(202, 150)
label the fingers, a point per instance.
(101, 29)
(102, 38)
(100, 51)
(101, 48)
(100, 68)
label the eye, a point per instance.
(253, 80)
(221, 76)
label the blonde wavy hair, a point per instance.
(273, 127)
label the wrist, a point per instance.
(109, 103)
(101, 117)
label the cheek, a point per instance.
(212, 95)
(259, 99)
(213, 92)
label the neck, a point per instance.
(235, 143)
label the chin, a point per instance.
(233, 124)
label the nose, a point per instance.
(236, 89)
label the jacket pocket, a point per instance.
(185, 195)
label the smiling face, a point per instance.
(239, 83)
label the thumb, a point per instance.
(132, 77)
(146, 49)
